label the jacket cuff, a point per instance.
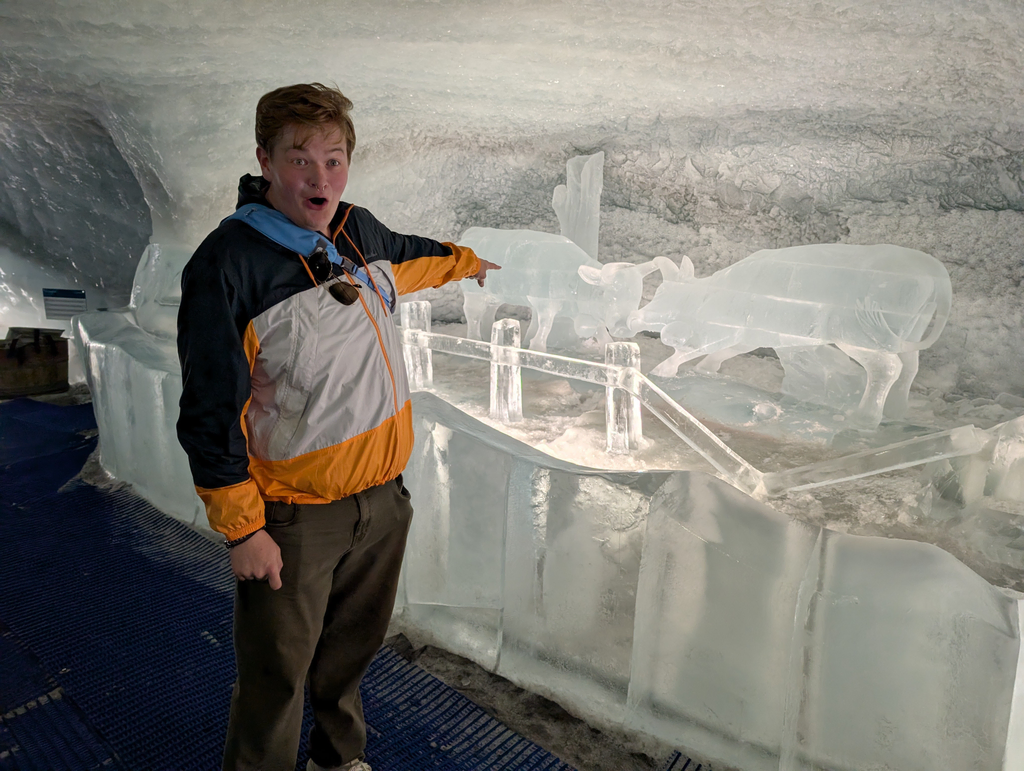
(466, 262)
(235, 511)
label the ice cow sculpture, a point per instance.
(873, 303)
(555, 278)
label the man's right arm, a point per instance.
(216, 348)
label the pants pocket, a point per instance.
(402, 489)
(279, 514)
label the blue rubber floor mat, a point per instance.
(117, 620)
(441, 728)
(30, 429)
(679, 762)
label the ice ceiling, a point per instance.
(728, 127)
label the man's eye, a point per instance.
(334, 162)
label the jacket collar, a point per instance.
(253, 189)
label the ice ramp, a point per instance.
(673, 604)
(115, 634)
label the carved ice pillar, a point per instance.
(578, 202)
(506, 379)
(623, 428)
(419, 360)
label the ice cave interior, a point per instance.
(726, 129)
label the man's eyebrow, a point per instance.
(336, 149)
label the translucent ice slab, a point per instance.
(675, 605)
(457, 582)
(132, 370)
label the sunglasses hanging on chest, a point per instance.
(342, 289)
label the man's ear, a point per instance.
(264, 158)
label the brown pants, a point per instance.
(324, 625)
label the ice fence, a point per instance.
(673, 604)
(669, 603)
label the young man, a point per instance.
(296, 419)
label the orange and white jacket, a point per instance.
(288, 395)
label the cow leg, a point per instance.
(713, 361)
(883, 370)
(480, 309)
(899, 397)
(670, 366)
(603, 336)
(544, 312)
(676, 336)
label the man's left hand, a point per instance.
(482, 273)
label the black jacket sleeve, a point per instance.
(215, 371)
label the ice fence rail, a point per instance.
(942, 445)
(733, 468)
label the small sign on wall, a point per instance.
(63, 303)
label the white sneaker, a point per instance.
(352, 765)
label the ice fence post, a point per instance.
(506, 378)
(623, 428)
(419, 359)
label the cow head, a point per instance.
(664, 307)
(622, 286)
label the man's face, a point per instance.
(307, 170)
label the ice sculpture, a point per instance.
(578, 202)
(995, 471)
(555, 278)
(156, 290)
(668, 603)
(674, 604)
(133, 373)
(1005, 479)
(874, 303)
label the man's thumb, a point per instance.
(274, 576)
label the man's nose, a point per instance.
(318, 178)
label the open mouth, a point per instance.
(318, 201)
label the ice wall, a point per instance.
(726, 129)
(69, 202)
(22, 302)
(677, 606)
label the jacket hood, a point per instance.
(251, 190)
